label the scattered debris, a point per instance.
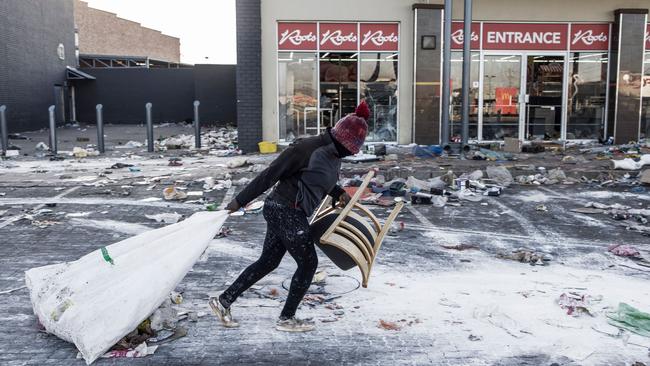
(130, 145)
(237, 163)
(623, 250)
(120, 166)
(460, 247)
(576, 304)
(167, 218)
(631, 164)
(138, 352)
(500, 175)
(528, 256)
(175, 162)
(645, 177)
(387, 325)
(173, 194)
(631, 319)
(41, 146)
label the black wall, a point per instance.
(124, 93)
(214, 86)
(30, 33)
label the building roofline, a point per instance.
(129, 20)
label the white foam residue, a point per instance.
(78, 214)
(112, 225)
(533, 196)
(510, 305)
(608, 194)
(225, 246)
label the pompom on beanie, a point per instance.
(351, 130)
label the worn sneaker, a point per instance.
(222, 313)
(294, 325)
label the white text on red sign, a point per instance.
(458, 37)
(337, 38)
(524, 37)
(295, 38)
(378, 38)
(588, 37)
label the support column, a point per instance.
(626, 74)
(426, 73)
(467, 64)
(249, 74)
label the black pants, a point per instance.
(287, 230)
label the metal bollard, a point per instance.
(149, 128)
(53, 148)
(197, 125)
(4, 135)
(100, 128)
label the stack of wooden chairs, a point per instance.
(351, 236)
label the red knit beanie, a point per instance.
(351, 130)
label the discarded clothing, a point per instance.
(623, 250)
(575, 304)
(629, 318)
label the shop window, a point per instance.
(378, 83)
(297, 94)
(457, 97)
(587, 93)
(645, 102)
(338, 87)
(501, 89)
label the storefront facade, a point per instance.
(540, 70)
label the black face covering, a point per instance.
(340, 149)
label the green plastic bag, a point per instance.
(629, 318)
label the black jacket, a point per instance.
(306, 171)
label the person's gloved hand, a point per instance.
(343, 200)
(233, 206)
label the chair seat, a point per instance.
(337, 255)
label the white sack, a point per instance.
(93, 303)
(630, 164)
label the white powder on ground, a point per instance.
(608, 194)
(112, 226)
(533, 196)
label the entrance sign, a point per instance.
(297, 36)
(457, 38)
(338, 37)
(379, 36)
(589, 37)
(524, 36)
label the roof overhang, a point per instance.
(74, 74)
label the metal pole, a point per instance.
(149, 128)
(446, 71)
(467, 64)
(3, 129)
(53, 148)
(100, 129)
(197, 125)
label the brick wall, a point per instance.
(30, 32)
(249, 74)
(104, 33)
